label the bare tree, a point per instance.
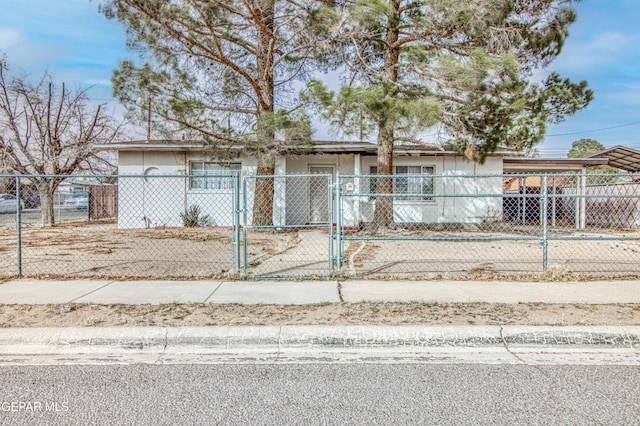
(47, 133)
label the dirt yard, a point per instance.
(101, 250)
(601, 256)
(81, 315)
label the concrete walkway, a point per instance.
(311, 292)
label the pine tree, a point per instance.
(465, 65)
(219, 62)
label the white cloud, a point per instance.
(98, 82)
(622, 97)
(607, 42)
(9, 37)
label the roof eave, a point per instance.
(542, 165)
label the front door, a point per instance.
(319, 194)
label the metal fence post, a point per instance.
(236, 223)
(545, 222)
(18, 227)
(338, 210)
(583, 200)
(245, 208)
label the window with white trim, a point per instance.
(215, 175)
(418, 181)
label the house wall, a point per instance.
(151, 200)
(298, 190)
(451, 179)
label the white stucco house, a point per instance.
(168, 177)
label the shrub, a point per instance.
(193, 217)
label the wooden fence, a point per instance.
(103, 202)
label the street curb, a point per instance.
(280, 339)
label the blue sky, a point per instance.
(80, 47)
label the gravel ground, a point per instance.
(101, 250)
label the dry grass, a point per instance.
(84, 315)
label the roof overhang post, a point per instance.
(554, 190)
(523, 188)
(583, 200)
(357, 171)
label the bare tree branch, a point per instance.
(46, 132)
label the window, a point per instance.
(418, 180)
(215, 175)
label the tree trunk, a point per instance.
(383, 215)
(46, 190)
(263, 198)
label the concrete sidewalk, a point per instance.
(285, 343)
(27, 291)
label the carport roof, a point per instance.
(549, 165)
(621, 157)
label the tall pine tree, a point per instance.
(215, 62)
(463, 64)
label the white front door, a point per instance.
(319, 194)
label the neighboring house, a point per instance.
(150, 198)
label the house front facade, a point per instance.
(161, 180)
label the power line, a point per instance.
(595, 130)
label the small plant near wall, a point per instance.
(193, 217)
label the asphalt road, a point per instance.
(309, 394)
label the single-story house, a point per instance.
(151, 198)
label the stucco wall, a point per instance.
(150, 199)
(147, 199)
(451, 179)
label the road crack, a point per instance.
(161, 356)
(506, 346)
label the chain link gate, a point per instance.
(602, 233)
(288, 225)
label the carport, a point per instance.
(620, 157)
(553, 167)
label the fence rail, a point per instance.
(319, 224)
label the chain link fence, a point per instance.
(410, 225)
(173, 227)
(296, 234)
(425, 225)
